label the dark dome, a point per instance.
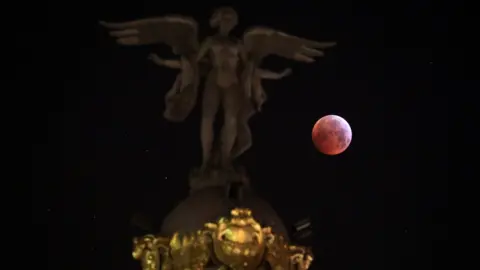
(208, 204)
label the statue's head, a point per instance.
(141, 244)
(239, 238)
(224, 18)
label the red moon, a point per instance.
(331, 135)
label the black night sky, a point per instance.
(110, 154)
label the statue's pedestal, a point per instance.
(217, 177)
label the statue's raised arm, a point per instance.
(178, 32)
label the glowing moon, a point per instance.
(331, 135)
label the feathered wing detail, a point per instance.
(260, 42)
(178, 32)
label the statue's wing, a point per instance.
(262, 41)
(179, 32)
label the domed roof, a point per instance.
(209, 204)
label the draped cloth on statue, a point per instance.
(182, 96)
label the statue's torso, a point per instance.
(225, 55)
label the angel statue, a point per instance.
(244, 136)
(232, 74)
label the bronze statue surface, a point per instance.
(230, 67)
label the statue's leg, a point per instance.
(210, 104)
(231, 100)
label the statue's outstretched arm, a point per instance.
(270, 75)
(174, 64)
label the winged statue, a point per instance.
(230, 67)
